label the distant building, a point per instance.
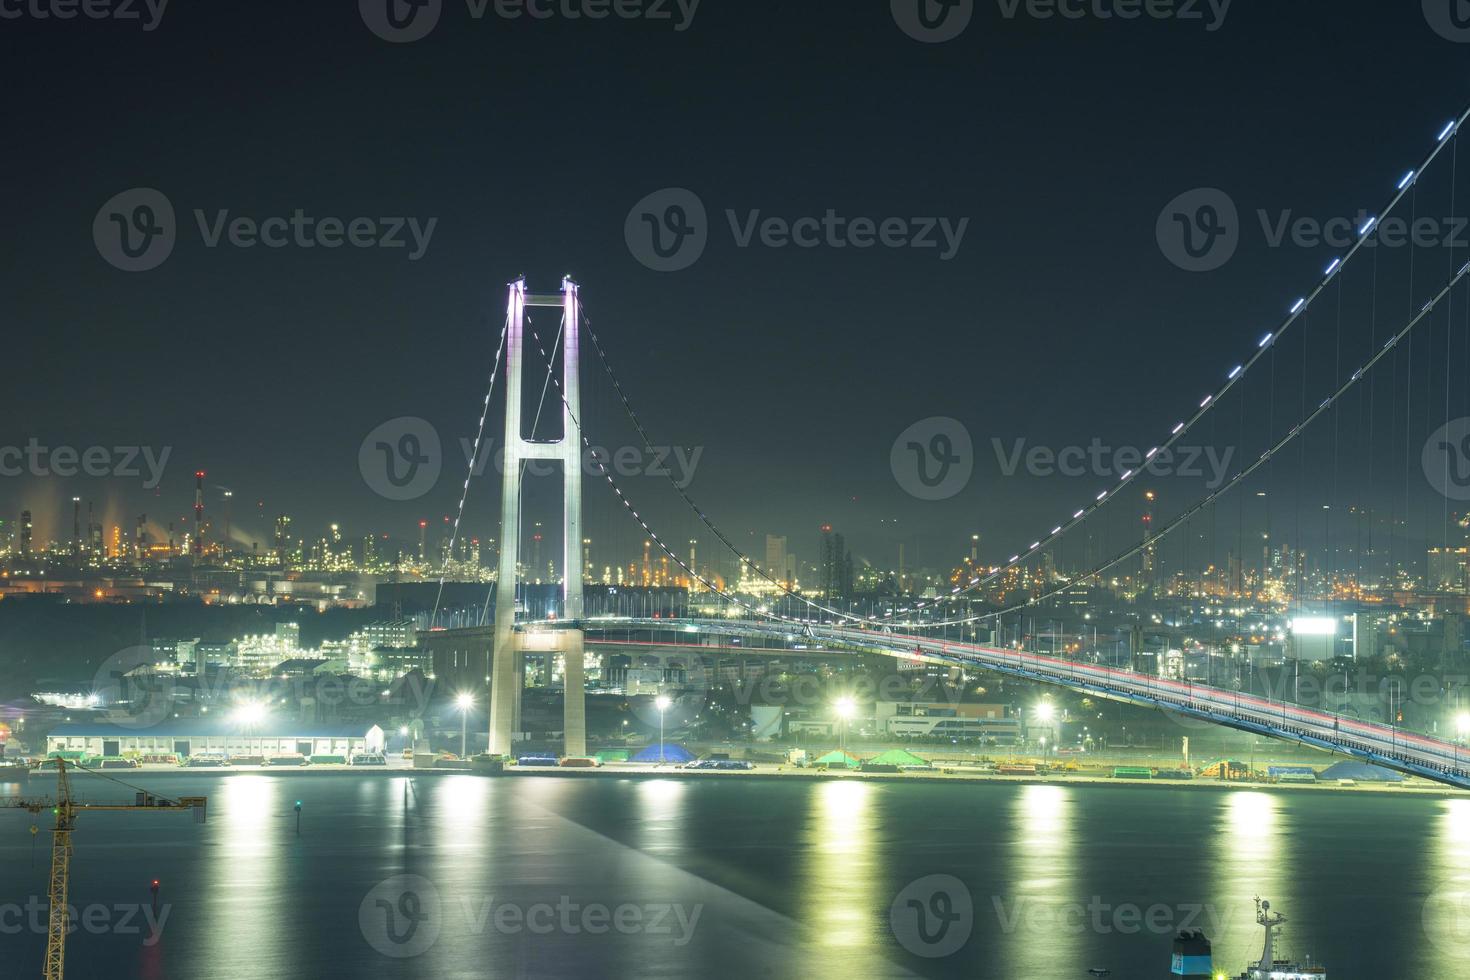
(776, 556)
(1313, 638)
(195, 736)
(288, 635)
(968, 722)
(1368, 630)
(1447, 569)
(222, 652)
(835, 577)
(399, 633)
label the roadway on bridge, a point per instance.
(1408, 752)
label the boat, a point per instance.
(1271, 968)
(13, 772)
(1193, 958)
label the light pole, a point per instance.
(662, 703)
(1044, 712)
(845, 709)
(464, 702)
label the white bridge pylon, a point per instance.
(505, 670)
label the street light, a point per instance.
(845, 708)
(248, 716)
(464, 702)
(1044, 711)
(662, 703)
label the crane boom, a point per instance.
(67, 809)
(56, 920)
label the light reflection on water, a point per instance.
(1251, 857)
(1033, 921)
(840, 858)
(1446, 915)
(793, 878)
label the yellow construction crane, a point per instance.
(67, 809)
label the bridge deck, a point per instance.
(1406, 752)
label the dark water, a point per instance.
(560, 877)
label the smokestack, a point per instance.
(225, 543)
(198, 513)
(76, 527)
(1192, 957)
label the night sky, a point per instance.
(1059, 318)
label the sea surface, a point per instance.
(459, 876)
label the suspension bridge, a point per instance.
(1345, 371)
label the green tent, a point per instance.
(612, 755)
(836, 758)
(897, 757)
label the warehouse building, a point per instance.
(195, 736)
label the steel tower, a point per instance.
(505, 659)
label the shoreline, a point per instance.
(1416, 788)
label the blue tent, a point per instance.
(1360, 771)
(671, 753)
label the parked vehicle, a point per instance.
(368, 759)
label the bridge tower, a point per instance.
(505, 672)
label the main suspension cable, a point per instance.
(474, 459)
(1406, 187)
